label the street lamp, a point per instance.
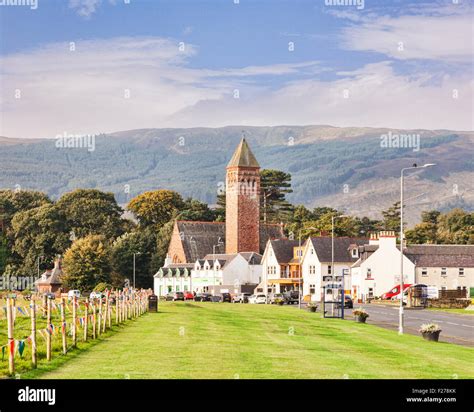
(300, 269)
(219, 243)
(134, 256)
(400, 320)
(333, 271)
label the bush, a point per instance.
(360, 313)
(100, 287)
(430, 328)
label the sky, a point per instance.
(99, 66)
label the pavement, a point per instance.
(456, 328)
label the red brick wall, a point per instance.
(242, 209)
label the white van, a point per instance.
(73, 293)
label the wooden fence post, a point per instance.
(99, 318)
(34, 353)
(49, 331)
(93, 320)
(116, 307)
(74, 321)
(11, 340)
(104, 320)
(86, 319)
(63, 324)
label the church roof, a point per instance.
(243, 156)
(198, 238)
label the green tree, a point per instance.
(391, 217)
(87, 263)
(90, 211)
(3, 252)
(456, 227)
(193, 209)
(274, 186)
(156, 207)
(142, 242)
(162, 241)
(38, 232)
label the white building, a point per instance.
(443, 266)
(377, 270)
(317, 263)
(216, 273)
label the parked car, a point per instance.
(202, 297)
(348, 303)
(292, 297)
(226, 297)
(169, 297)
(395, 291)
(178, 296)
(216, 298)
(188, 296)
(241, 298)
(258, 298)
(275, 297)
(73, 293)
(96, 295)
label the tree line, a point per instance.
(97, 241)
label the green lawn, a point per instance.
(458, 311)
(226, 341)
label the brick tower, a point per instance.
(242, 212)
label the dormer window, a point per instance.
(355, 252)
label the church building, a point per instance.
(194, 244)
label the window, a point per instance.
(424, 272)
(312, 270)
(443, 272)
(369, 273)
(312, 251)
(355, 253)
(461, 271)
(329, 270)
(312, 289)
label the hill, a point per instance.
(341, 167)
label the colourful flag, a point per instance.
(21, 347)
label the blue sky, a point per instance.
(388, 63)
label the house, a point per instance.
(239, 241)
(280, 273)
(378, 268)
(443, 266)
(50, 281)
(317, 262)
(232, 273)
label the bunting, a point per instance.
(21, 347)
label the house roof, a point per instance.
(243, 156)
(198, 238)
(342, 246)
(283, 249)
(51, 276)
(441, 255)
(251, 257)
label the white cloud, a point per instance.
(84, 91)
(84, 8)
(444, 34)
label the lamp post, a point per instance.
(219, 243)
(400, 320)
(333, 271)
(134, 258)
(300, 269)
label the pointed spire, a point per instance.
(243, 156)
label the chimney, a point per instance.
(387, 238)
(57, 262)
(168, 260)
(374, 239)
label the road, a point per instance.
(456, 328)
